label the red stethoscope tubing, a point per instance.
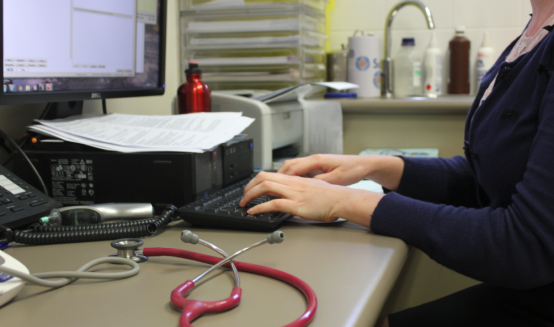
(193, 309)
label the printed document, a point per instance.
(135, 133)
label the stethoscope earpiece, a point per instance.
(189, 237)
(276, 237)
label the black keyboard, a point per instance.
(222, 209)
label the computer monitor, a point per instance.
(62, 52)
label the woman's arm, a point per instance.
(509, 246)
(437, 180)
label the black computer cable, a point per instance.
(24, 141)
(3, 144)
(14, 144)
(39, 234)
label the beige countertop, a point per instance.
(415, 105)
(350, 269)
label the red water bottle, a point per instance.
(193, 95)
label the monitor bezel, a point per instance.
(65, 96)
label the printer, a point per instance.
(286, 126)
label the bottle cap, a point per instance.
(460, 29)
(408, 41)
(339, 95)
(193, 68)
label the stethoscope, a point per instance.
(192, 309)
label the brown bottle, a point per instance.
(458, 81)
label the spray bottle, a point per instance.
(485, 60)
(432, 69)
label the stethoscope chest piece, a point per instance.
(126, 248)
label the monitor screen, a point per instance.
(68, 50)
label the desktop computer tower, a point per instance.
(79, 175)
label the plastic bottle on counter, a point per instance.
(407, 70)
(432, 69)
(485, 60)
(458, 82)
(193, 95)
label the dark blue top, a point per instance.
(489, 215)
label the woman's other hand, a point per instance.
(309, 198)
(347, 169)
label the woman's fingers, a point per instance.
(264, 187)
(286, 165)
(281, 205)
(263, 176)
(309, 166)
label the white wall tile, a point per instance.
(338, 38)
(525, 11)
(350, 15)
(489, 13)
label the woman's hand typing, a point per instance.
(347, 169)
(310, 198)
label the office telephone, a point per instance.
(21, 203)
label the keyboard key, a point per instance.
(6, 201)
(235, 213)
(242, 211)
(17, 209)
(37, 203)
(2, 213)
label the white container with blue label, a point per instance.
(10, 286)
(364, 65)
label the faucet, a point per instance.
(387, 63)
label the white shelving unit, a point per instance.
(254, 44)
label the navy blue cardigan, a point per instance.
(489, 215)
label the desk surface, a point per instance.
(350, 269)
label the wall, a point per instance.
(503, 19)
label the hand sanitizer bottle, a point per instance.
(432, 69)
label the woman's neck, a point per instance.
(542, 11)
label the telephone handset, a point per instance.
(21, 203)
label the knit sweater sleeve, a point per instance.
(439, 180)
(510, 246)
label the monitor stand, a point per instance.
(56, 110)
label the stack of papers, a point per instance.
(301, 91)
(198, 132)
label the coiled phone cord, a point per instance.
(42, 235)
